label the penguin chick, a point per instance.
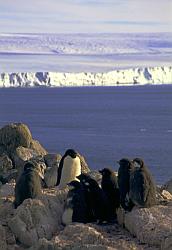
(109, 185)
(142, 187)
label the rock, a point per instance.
(84, 165)
(3, 243)
(38, 218)
(90, 236)
(37, 148)
(15, 135)
(121, 216)
(52, 159)
(7, 190)
(52, 162)
(5, 164)
(21, 155)
(150, 225)
(166, 195)
(167, 243)
(168, 186)
(50, 176)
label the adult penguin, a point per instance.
(142, 187)
(109, 185)
(69, 168)
(124, 171)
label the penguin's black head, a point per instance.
(106, 172)
(71, 152)
(74, 184)
(138, 162)
(83, 178)
(126, 163)
(28, 166)
(88, 182)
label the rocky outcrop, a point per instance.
(52, 163)
(38, 218)
(37, 148)
(16, 147)
(147, 75)
(5, 164)
(150, 225)
(15, 135)
(84, 166)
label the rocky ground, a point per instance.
(36, 224)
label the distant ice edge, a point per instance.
(134, 76)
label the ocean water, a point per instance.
(102, 123)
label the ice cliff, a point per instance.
(147, 75)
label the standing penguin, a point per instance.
(29, 184)
(124, 183)
(96, 199)
(142, 187)
(75, 207)
(69, 168)
(109, 185)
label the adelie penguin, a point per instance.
(96, 199)
(109, 185)
(29, 184)
(75, 207)
(142, 187)
(69, 168)
(124, 171)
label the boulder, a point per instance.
(84, 165)
(150, 225)
(38, 148)
(7, 190)
(52, 159)
(166, 195)
(21, 155)
(5, 164)
(14, 135)
(38, 218)
(90, 236)
(52, 162)
(6, 169)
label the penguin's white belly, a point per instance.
(67, 216)
(71, 169)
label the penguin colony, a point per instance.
(87, 200)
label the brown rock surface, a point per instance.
(91, 236)
(52, 162)
(84, 165)
(150, 225)
(5, 164)
(14, 135)
(38, 148)
(38, 218)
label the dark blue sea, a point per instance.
(102, 123)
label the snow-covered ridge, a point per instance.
(147, 75)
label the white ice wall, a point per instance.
(150, 75)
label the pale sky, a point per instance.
(78, 16)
